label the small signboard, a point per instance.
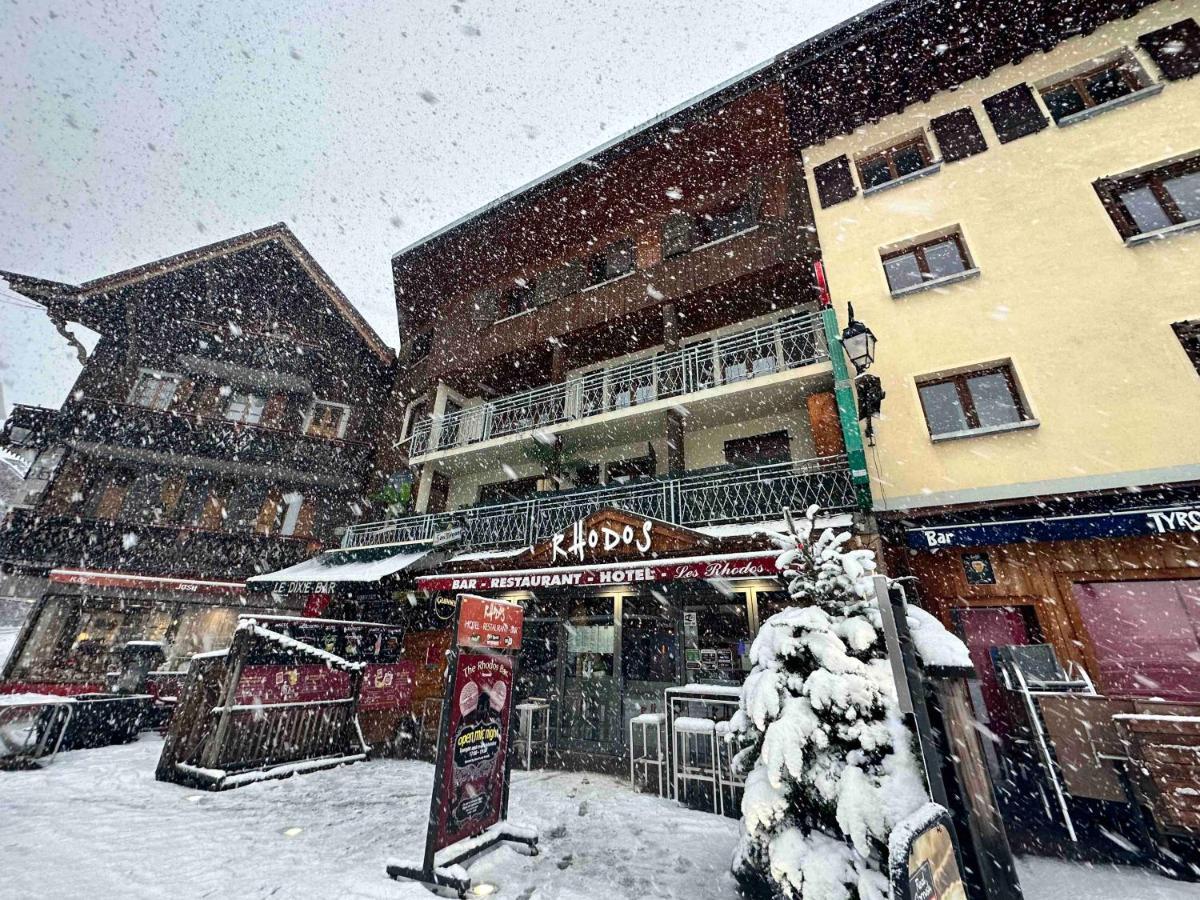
(924, 864)
(978, 568)
(483, 622)
(471, 774)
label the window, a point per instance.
(958, 134)
(1094, 87)
(1014, 113)
(903, 159)
(154, 390)
(687, 231)
(613, 261)
(724, 221)
(245, 409)
(759, 450)
(1174, 49)
(1153, 200)
(327, 420)
(980, 400)
(1189, 336)
(926, 262)
(834, 182)
(507, 491)
(514, 300)
(622, 471)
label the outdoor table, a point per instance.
(21, 740)
(678, 700)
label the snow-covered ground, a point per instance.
(96, 824)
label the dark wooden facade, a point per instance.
(682, 167)
(156, 476)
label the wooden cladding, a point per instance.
(1014, 113)
(826, 426)
(958, 134)
(835, 184)
(1174, 49)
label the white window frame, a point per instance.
(293, 502)
(157, 375)
(310, 414)
(245, 398)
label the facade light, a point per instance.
(859, 342)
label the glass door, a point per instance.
(650, 660)
(589, 713)
(537, 675)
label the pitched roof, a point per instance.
(42, 290)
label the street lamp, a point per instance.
(858, 342)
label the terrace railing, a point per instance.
(748, 494)
(789, 343)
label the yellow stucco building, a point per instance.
(1050, 287)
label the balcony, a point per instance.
(31, 540)
(743, 357)
(28, 427)
(749, 494)
(139, 428)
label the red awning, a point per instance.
(95, 578)
(730, 565)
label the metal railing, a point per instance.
(789, 343)
(749, 494)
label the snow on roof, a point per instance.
(744, 529)
(340, 565)
(33, 699)
(488, 554)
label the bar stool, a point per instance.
(529, 711)
(645, 722)
(430, 722)
(726, 777)
(691, 735)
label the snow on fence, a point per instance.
(269, 707)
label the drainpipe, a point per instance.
(843, 390)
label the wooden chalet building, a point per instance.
(223, 426)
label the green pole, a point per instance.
(843, 391)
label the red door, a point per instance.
(984, 628)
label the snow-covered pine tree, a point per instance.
(829, 765)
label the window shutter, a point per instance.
(1014, 113)
(958, 134)
(274, 410)
(1174, 49)
(1107, 189)
(677, 234)
(834, 182)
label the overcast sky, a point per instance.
(132, 131)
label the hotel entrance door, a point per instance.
(590, 710)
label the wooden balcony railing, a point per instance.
(138, 427)
(29, 539)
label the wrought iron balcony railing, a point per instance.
(749, 494)
(29, 539)
(789, 343)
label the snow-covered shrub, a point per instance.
(830, 767)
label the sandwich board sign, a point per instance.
(469, 806)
